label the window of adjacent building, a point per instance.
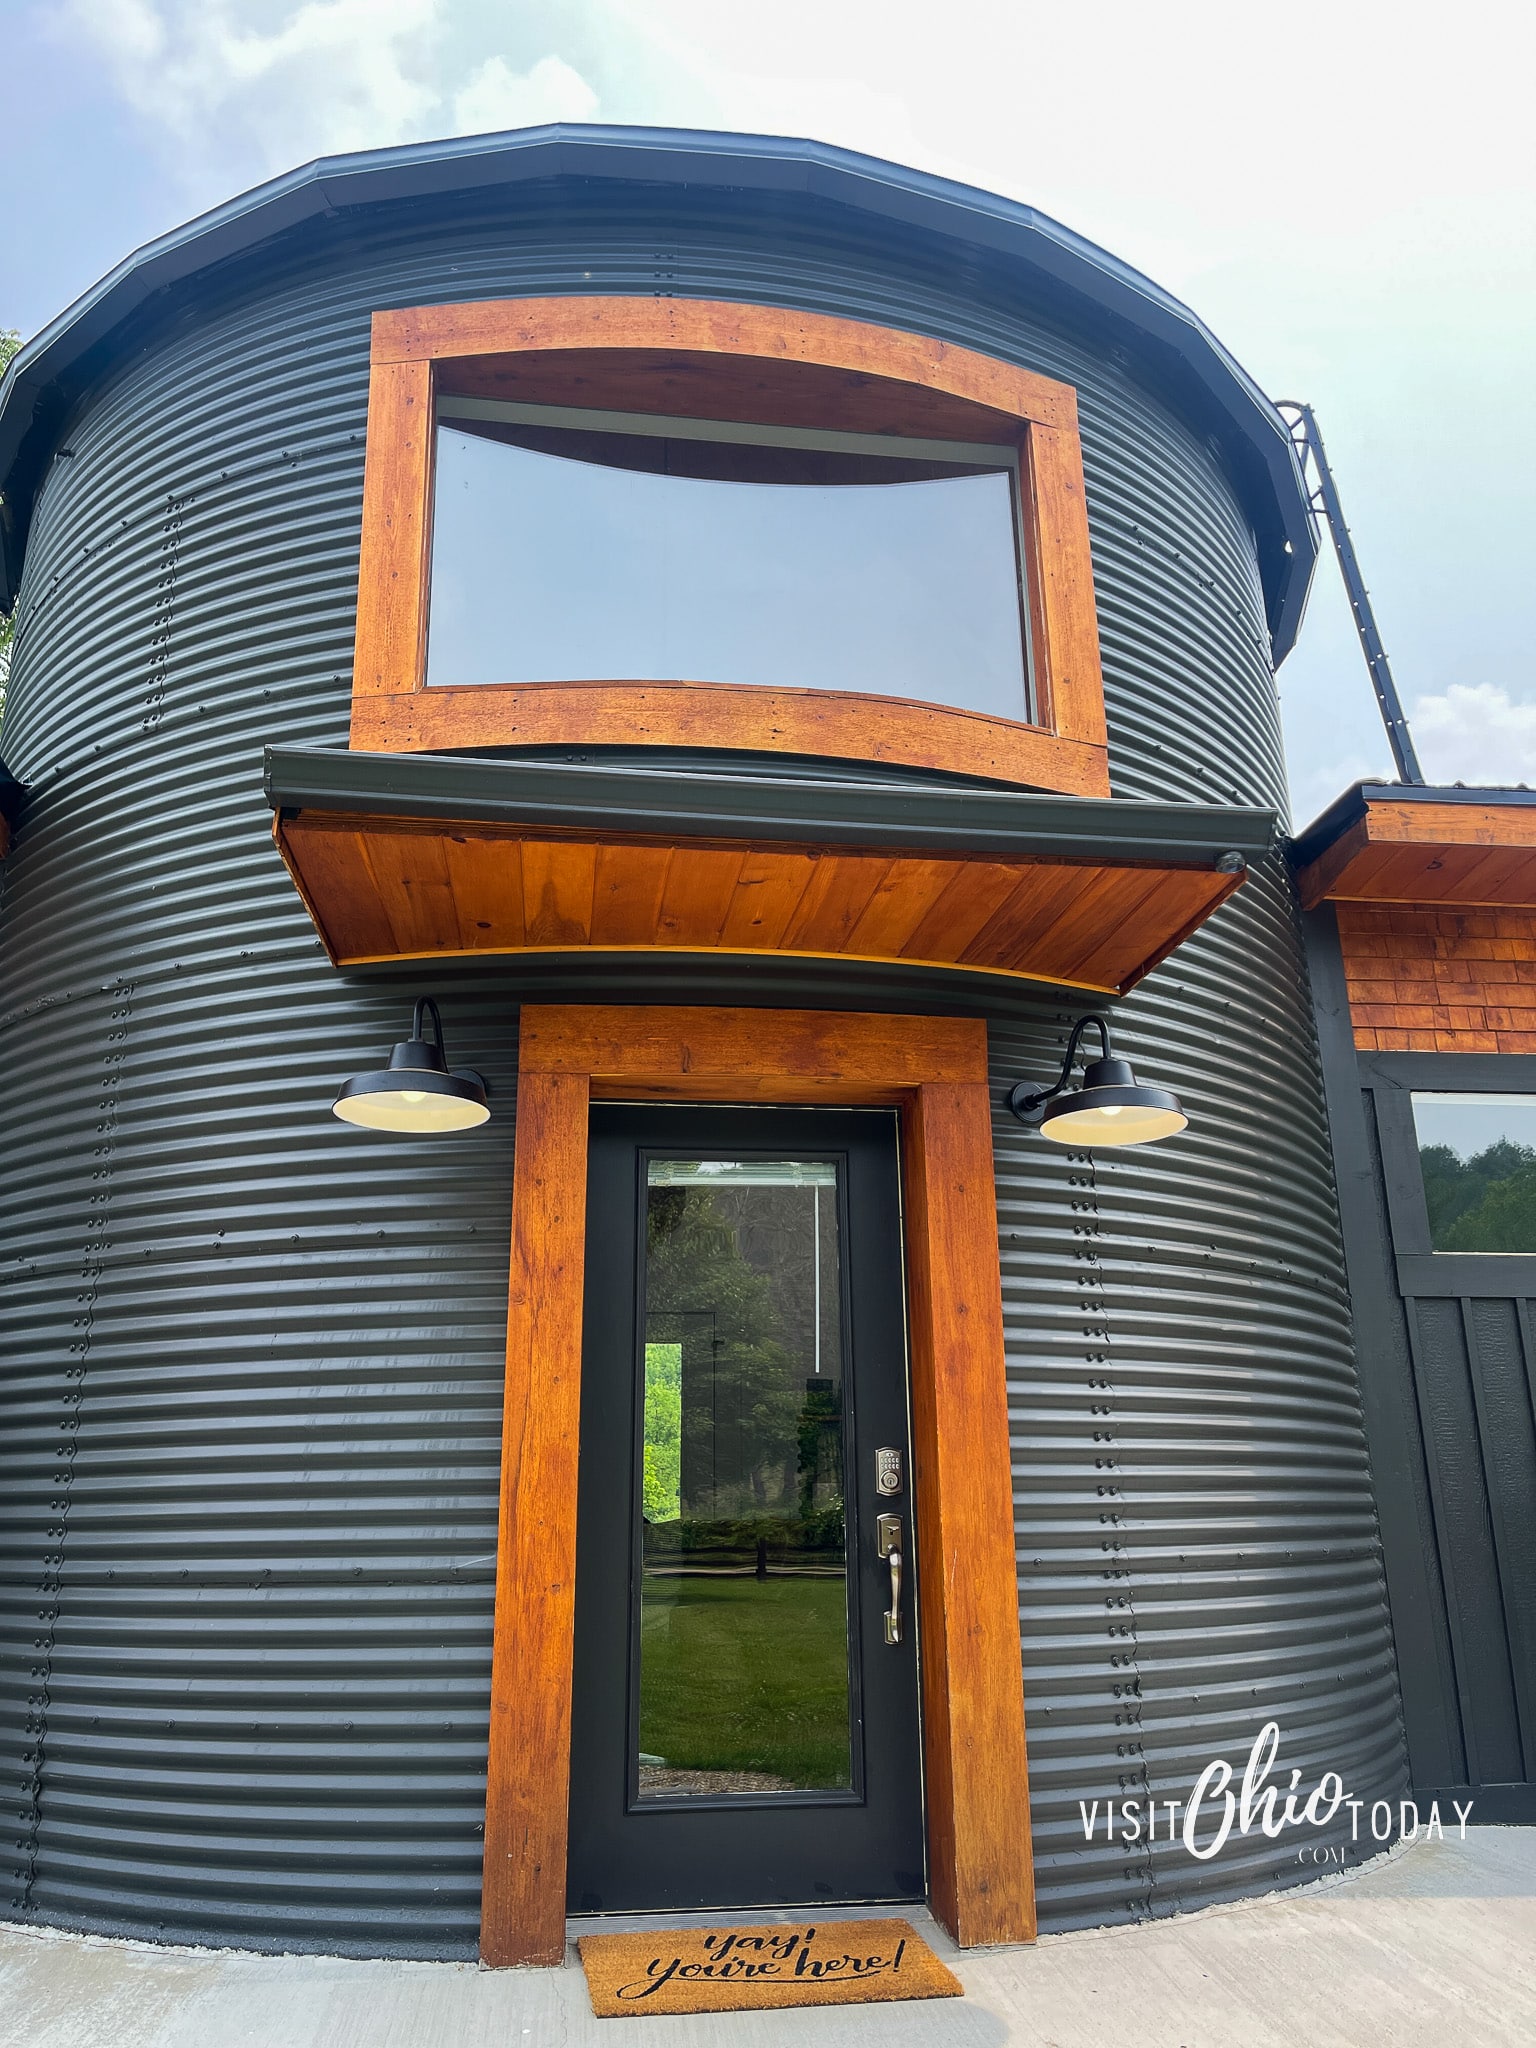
(1478, 1157)
(575, 546)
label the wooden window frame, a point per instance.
(912, 383)
(934, 1070)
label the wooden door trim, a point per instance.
(981, 1869)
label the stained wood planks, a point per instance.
(397, 527)
(1436, 908)
(559, 884)
(627, 892)
(1437, 853)
(823, 723)
(699, 384)
(680, 1049)
(381, 888)
(976, 1776)
(523, 1908)
(1071, 683)
(776, 336)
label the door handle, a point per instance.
(888, 1545)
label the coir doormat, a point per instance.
(736, 1969)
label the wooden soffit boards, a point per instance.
(420, 858)
(1390, 845)
(723, 360)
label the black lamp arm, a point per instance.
(425, 1007)
(1023, 1099)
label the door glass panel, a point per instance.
(744, 1678)
(1478, 1157)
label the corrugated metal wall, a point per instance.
(251, 1359)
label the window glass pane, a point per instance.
(1478, 1156)
(744, 1682)
(616, 557)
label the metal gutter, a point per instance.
(48, 372)
(580, 796)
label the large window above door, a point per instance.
(579, 546)
(594, 521)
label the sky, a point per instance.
(1345, 192)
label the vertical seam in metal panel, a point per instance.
(72, 1404)
(163, 612)
(1124, 1652)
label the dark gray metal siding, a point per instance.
(1197, 1538)
(252, 1359)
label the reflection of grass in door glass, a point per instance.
(745, 1674)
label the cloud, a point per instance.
(240, 88)
(1475, 733)
(499, 97)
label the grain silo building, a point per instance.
(748, 646)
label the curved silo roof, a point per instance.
(1153, 328)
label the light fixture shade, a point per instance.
(1111, 1108)
(416, 1092)
(1113, 1116)
(397, 1100)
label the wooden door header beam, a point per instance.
(689, 1055)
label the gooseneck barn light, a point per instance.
(416, 1092)
(1111, 1107)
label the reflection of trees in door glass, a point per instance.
(744, 1620)
(730, 1284)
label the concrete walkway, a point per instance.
(1437, 1945)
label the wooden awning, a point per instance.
(427, 856)
(1388, 843)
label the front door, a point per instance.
(745, 1702)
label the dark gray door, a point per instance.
(745, 1707)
